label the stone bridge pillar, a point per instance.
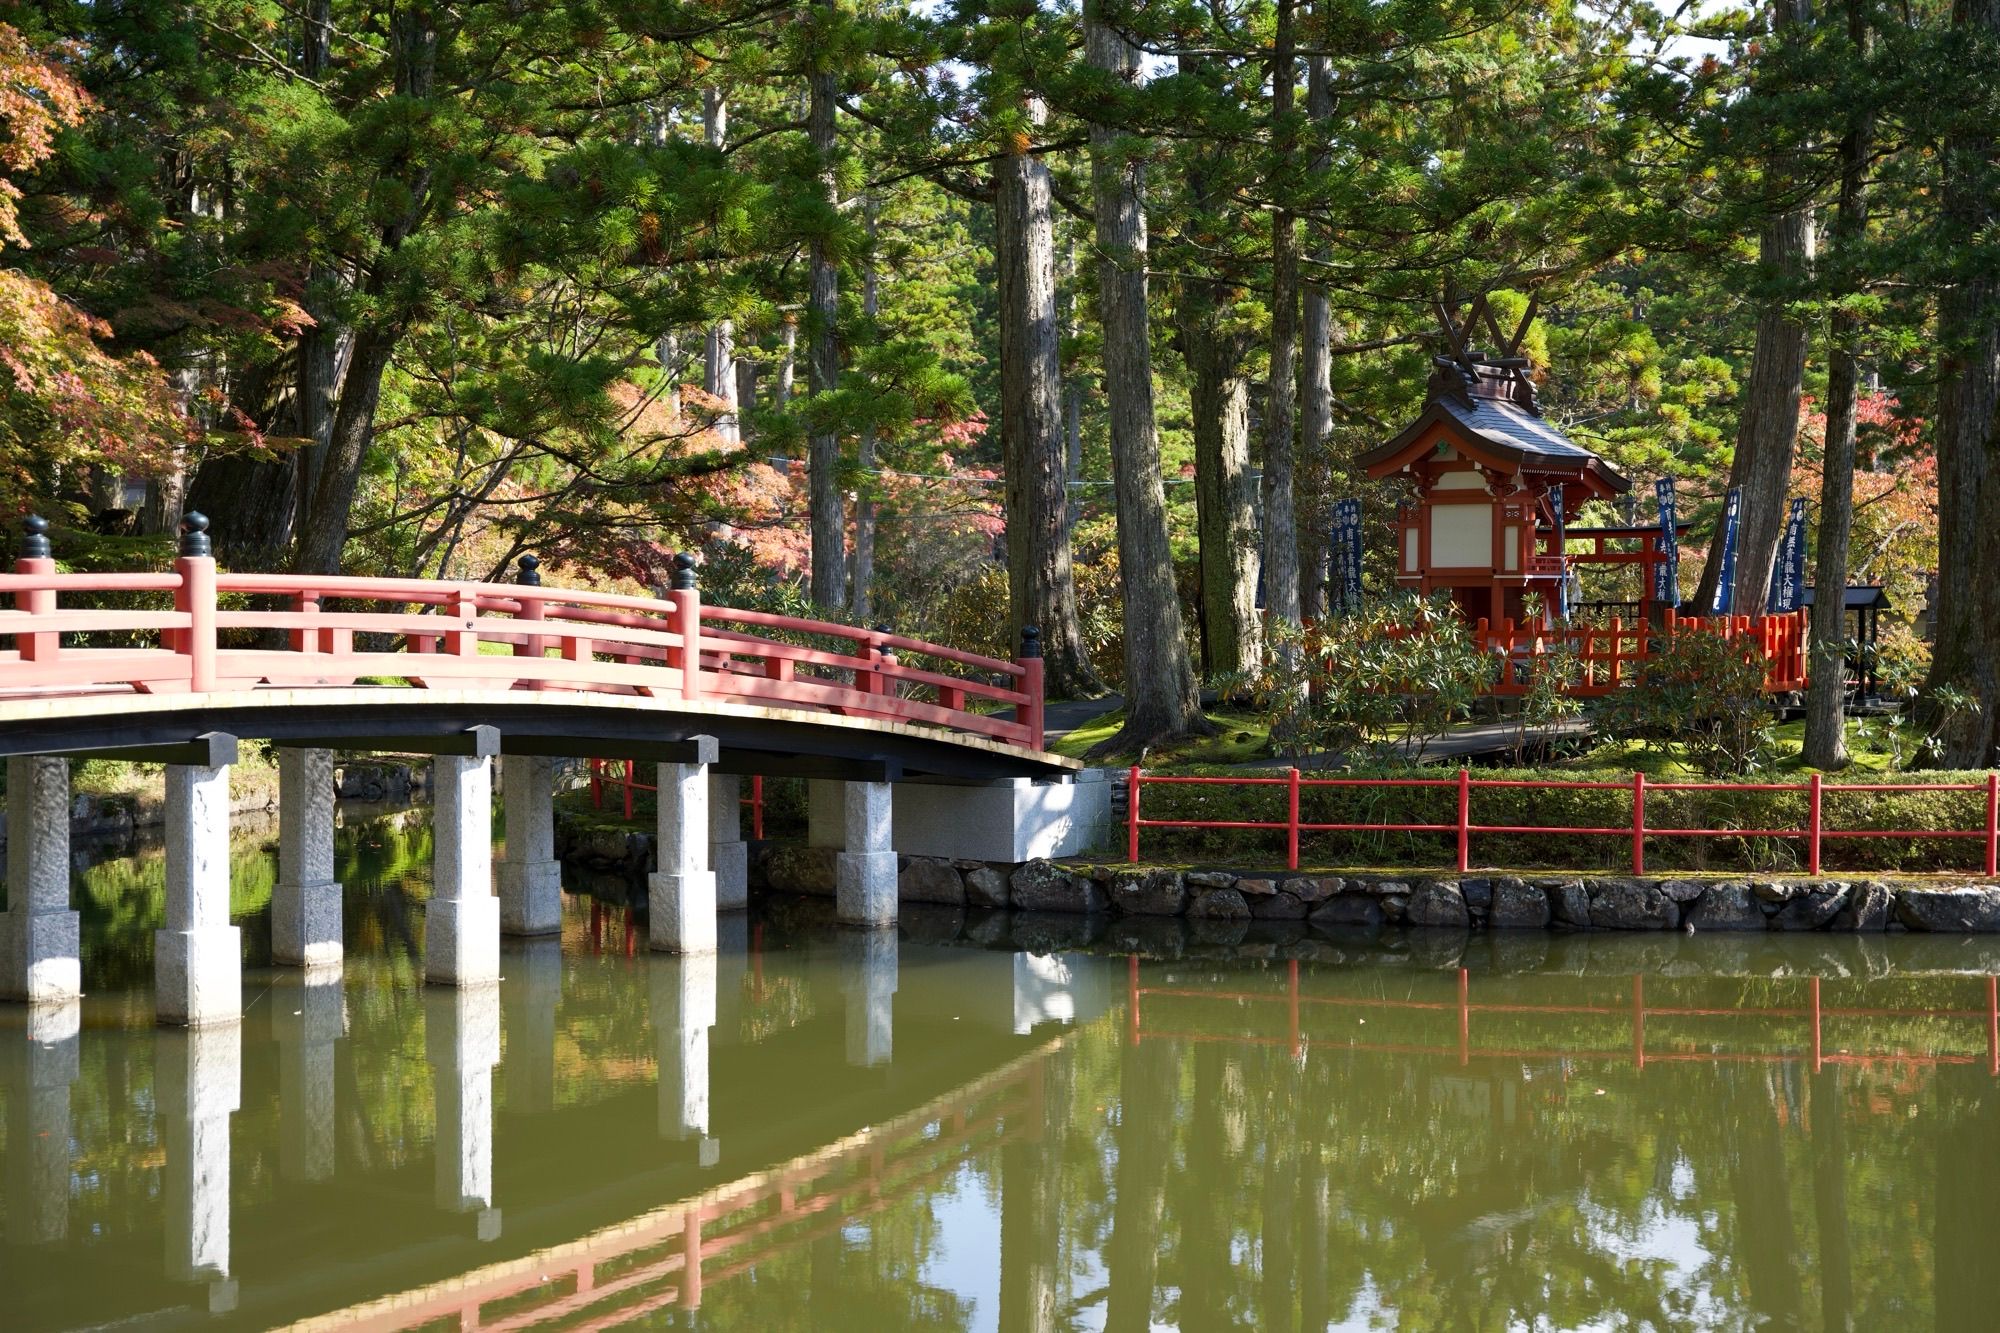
(729, 855)
(198, 956)
(681, 892)
(462, 923)
(530, 875)
(865, 869)
(38, 933)
(683, 1012)
(198, 1079)
(39, 1072)
(308, 1017)
(462, 1038)
(305, 905)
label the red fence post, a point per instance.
(597, 784)
(1993, 823)
(1132, 817)
(1292, 821)
(1464, 820)
(630, 777)
(687, 624)
(1639, 820)
(196, 596)
(1813, 826)
(36, 557)
(757, 807)
(1030, 661)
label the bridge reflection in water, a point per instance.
(844, 1129)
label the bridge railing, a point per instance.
(333, 630)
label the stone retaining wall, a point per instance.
(1372, 900)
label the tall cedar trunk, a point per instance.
(323, 531)
(862, 597)
(1967, 655)
(788, 360)
(1031, 1204)
(1826, 714)
(1072, 394)
(718, 369)
(1768, 431)
(323, 347)
(1281, 529)
(1041, 587)
(1161, 698)
(1316, 378)
(1225, 500)
(829, 519)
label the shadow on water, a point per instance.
(986, 1121)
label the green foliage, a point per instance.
(1704, 693)
(1395, 677)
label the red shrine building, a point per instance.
(1486, 468)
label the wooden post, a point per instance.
(687, 624)
(1993, 823)
(37, 558)
(1464, 820)
(1639, 819)
(1813, 826)
(1030, 661)
(1132, 817)
(196, 597)
(1292, 820)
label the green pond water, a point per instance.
(978, 1122)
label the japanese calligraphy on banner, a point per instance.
(1556, 543)
(1347, 553)
(1667, 569)
(1788, 570)
(1725, 588)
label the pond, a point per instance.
(981, 1123)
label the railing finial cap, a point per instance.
(1031, 641)
(194, 534)
(683, 580)
(35, 538)
(531, 570)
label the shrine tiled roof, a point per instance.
(1507, 426)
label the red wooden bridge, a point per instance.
(145, 660)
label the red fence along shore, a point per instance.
(1462, 828)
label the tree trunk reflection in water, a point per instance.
(1968, 1180)
(1203, 1200)
(1281, 1124)
(1765, 1240)
(1829, 1157)
(1145, 1138)
(1031, 1202)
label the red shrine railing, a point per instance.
(1609, 656)
(625, 773)
(1812, 837)
(506, 636)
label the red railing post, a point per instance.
(687, 624)
(1639, 820)
(36, 557)
(1292, 820)
(630, 779)
(597, 784)
(1030, 662)
(1132, 817)
(1993, 823)
(531, 609)
(1464, 820)
(757, 807)
(196, 597)
(1813, 825)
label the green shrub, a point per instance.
(1705, 693)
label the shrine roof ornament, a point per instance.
(1487, 405)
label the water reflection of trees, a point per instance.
(1252, 1190)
